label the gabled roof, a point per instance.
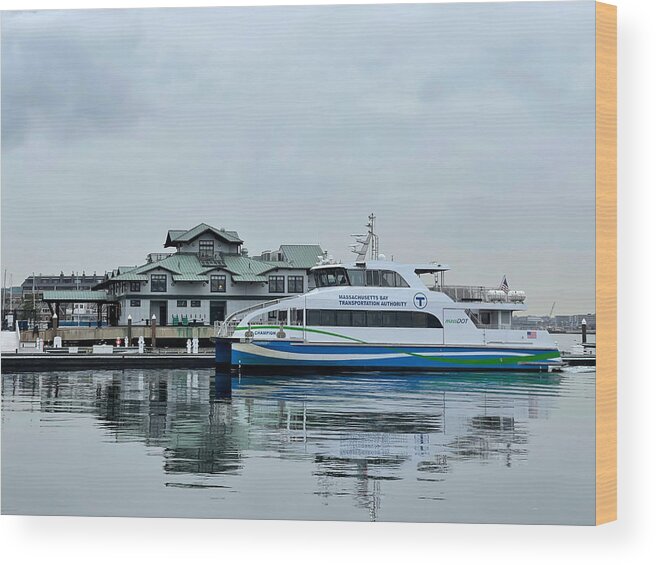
(189, 277)
(249, 278)
(182, 264)
(74, 296)
(126, 268)
(128, 277)
(178, 263)
(184, 236)
(172, 235)
(187, 267)
(240, 265)
(301, 256)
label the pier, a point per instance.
(585, 360)
(64, 361)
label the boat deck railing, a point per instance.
(464, 293)
(227, 327)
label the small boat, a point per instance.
(375, 314)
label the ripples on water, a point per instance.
(375, 446)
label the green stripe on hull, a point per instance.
(551, 355)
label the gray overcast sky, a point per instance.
(467, 128)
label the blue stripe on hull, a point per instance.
(411, 357)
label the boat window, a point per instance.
(372, 319)
(331, 277)
(419, 320)
(359, 318)
(387, 278)
(399, 281)
(404, 319)
(356, 277)
(343, 317)
(296, 317)
(328, 317)
(282, 316)
(314, 317)
(389, 319)
(383, 278)
(373, 278)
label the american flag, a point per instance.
(504, 284)
(532, 335)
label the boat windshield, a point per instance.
(339, 276)
(331, 277)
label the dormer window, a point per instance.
(157, 283)
(206, 248)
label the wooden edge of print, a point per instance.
(606, 262)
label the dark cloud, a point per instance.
(468, 128)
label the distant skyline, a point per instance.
(469, 129)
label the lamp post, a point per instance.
(584, 331)
(129, 330)
(153, 332)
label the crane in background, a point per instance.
(552, 309)
(552, 325)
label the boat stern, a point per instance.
(223, 352)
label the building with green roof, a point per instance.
(206, 278)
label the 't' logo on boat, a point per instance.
(420, 300)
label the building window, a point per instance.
(182, 303)
(158, 283)
(195, 303)
(295, 284)
(276, 283)
(135, 286)
(135, 303)
(206, 248)
(217, 283)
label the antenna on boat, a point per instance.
(368, 241)
(374, 237)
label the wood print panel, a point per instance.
(606, 279)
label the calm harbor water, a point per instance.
(370, 446)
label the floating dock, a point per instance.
(573, 360)
(20, 362)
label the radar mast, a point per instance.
(368, 242)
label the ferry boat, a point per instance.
(374, 314)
